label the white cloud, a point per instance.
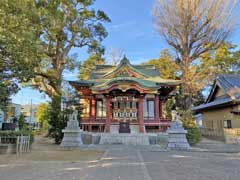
(120, 26)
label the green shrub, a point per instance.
(56, 120)
(31, 137)
(193, 136)
(21, 122)
(18, 133)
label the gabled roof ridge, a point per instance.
(125, 62)
(225, 85)
(214, 86)
(142, 66)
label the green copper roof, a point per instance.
(145, 70)
(141, 82)
(146, 76)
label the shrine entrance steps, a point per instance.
(114, 129)
(125, 138)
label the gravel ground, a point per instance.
(123, 162)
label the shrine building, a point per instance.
(125, 95)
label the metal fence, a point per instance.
(18, 144)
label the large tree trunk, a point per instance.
(56, 118)
(186, 93)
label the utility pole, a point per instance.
(30, 119)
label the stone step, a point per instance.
(114, 129)
(134, 129)
(127, 139)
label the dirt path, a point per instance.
(44, 149)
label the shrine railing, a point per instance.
(97, 120)
(163, 124)
(153, 120)
(149, 119)
(146, 120)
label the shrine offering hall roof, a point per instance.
(106, 76)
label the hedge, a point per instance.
(18, 133)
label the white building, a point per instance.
(29, 112)
(1, 118)
(14, 110)
(198, 118)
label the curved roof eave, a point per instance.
(128, 80)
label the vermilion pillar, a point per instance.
(90, 114)
(92, 103)
(160, 108)
(157, 119)
(107, 128)
(140, 114)
(160, 113)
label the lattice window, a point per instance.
(101, 108)
(148, 108)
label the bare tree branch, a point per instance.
(192, 28)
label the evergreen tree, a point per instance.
(19, 33)
(88, 65)
(166, 65)
(64, 25)
(42, 115)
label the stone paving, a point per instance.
(130, 163)
(208, 145)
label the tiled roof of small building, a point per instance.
(229, 80)
(230, 85)
(216, 103)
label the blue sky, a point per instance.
(131, 29)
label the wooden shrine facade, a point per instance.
(124, 93)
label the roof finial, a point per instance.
(124, 59)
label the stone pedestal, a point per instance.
(72, 135)
(177, 136)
